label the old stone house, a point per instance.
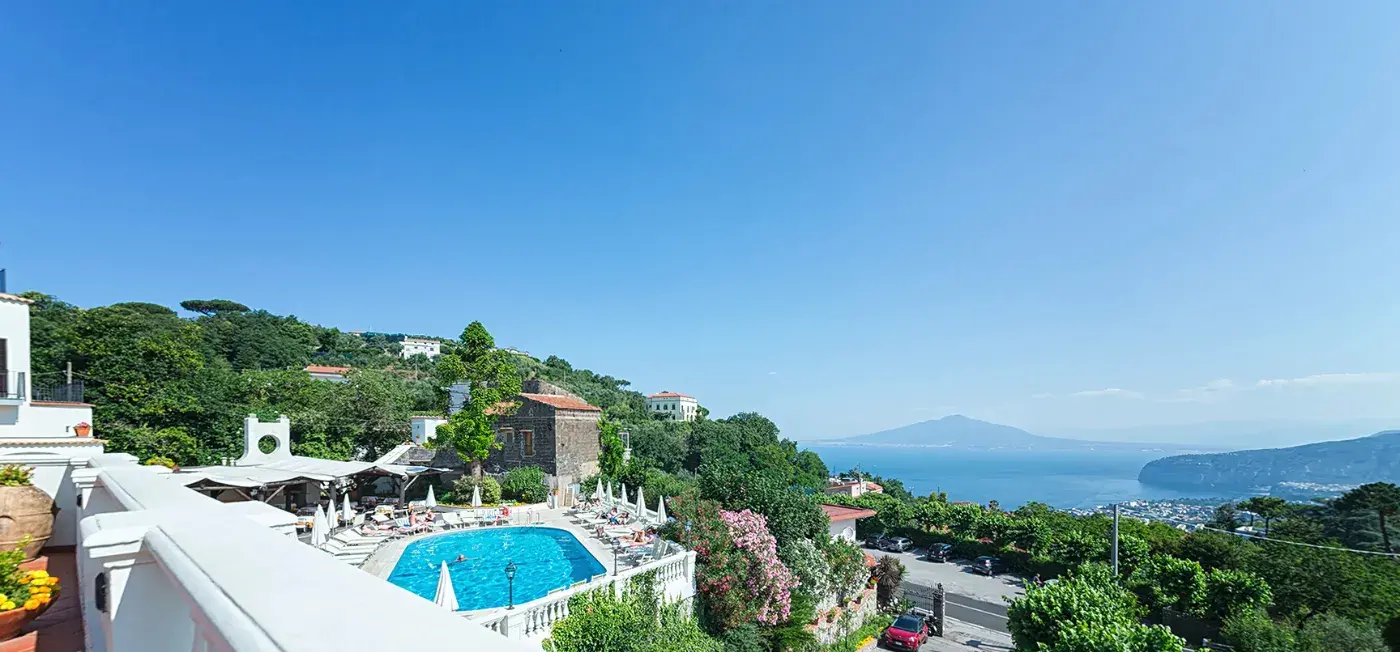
(552, 429)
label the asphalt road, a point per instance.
(978, 612)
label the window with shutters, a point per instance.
(529, 437)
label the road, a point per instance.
(978, 612)
(972, 598)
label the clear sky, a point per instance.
(847, 216)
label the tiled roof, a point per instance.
(320, 369)
(562, 402)
(669, 395)
(843, 513)
(15, 298)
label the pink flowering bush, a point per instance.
(738, 575)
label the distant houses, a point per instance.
(332, 374)
(853, 487)
(672, 406)
(414, 345)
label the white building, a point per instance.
(414, 345)
(841, 520)
(676, 407)
(425, 428)
(853, 487)
(47, 427)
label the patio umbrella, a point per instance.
(623, 499)
(661, 510)
(476, 495)
(330, 519)
(446, 596)
(318, 528)
(431, 502)
(609, 494)
(598, 494)
(347, 513)
(641, 505)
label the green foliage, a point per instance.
(1226, 517)
(494, 381)
(1065, 612)
(610, 459)
(1330, 633)
(809, 471)
(14, 475)
(744, 638)
(162, 461)
(1214, 550)
(1266, 507)
(872, 628)
(1162, 582)
(637, 621)
(1252, 631)
(525, 484)
(490, 489)
(791, 515)
(807, 562)
(145, 443)
(213, 306)
(1379, 498)
(1229, 592)
(889, 573)
(849, 573)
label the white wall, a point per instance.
(677, 408)
(14, 328)
(430, 348)
(842, 529)
(425, 428)
(42, 421)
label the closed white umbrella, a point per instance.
(431, 502)
(609, 496)
(641, 505)
(476, 495)
(598, 494)
(661, 510)
(446, 596)
(347, 513)
(623, 498)
(318, 528)
(330, 519)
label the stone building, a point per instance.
(552, 429)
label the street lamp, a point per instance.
(510, 577)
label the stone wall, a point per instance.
(833, 623)
(532, 416)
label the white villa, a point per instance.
(158, 561)
(673, 406)
(414, 345)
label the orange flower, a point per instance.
(31, 604)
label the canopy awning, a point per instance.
(291, 470)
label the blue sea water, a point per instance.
(1062, 479)
(545, 558)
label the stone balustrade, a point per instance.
(162, 568)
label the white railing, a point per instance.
(675, 578)
(162, 568)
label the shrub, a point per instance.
(809, 565)
(638, 620)
(1229, 592)
(848, 570)
(744, 638)
(1331, 633)
(14, 475)
(490, 489)
(526, 484)
(163, 461)
(1252, 631)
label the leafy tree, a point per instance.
(1382, 498)
(1330, 633)
(493, 382)
(1167, 582)
(526, 484)
(790, 515)
(462, 489)
(213, 306)
(1095, 636)
(1227, 517)
(663, 443)
(610, 459)
(639, 620)
(1267, 507)
(809, 471)
(1252, 631)
(1215, 550)
(1077, 611)
(1228, 592)
(146, 444)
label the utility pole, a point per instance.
(70, 372)
(1115, 539)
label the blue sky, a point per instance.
(848, 218)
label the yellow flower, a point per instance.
(53, 581)
(31, 604)
(39, 574)
(8, 605)
(4, 598)
(38, 589)
(43, 599)
(24, 579)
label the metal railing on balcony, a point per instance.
(59, 393)
(12, 384)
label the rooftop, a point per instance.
(322, 369)
(563, 402)
(14, 297)
(842, 513)
(667, 394)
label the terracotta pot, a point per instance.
(83, 429)
(25, 511)
(12, 621)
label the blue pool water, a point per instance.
(545, 558)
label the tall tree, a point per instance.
(1267, 507)
(492, 382)
(610, 459)
(1383, 498)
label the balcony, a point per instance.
(59, 392)
(12, 387)
(161, 568)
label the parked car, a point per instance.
(939, 552)
(908, 632)
(875, 540)
(986, 565)
(896, 544)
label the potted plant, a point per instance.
(24, 594)
(83, 429)
(26, 512)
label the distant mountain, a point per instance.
(958, 431)
(1235, 434)
(1375, 458)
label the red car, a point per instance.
(907, 633)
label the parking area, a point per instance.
(972, 597)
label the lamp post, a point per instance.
(510, 578)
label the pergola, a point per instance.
(265, 481)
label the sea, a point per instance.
(1081, 479)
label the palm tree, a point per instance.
(1383, 498)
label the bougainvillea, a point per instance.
(738, 574)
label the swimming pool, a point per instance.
(545, 558)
